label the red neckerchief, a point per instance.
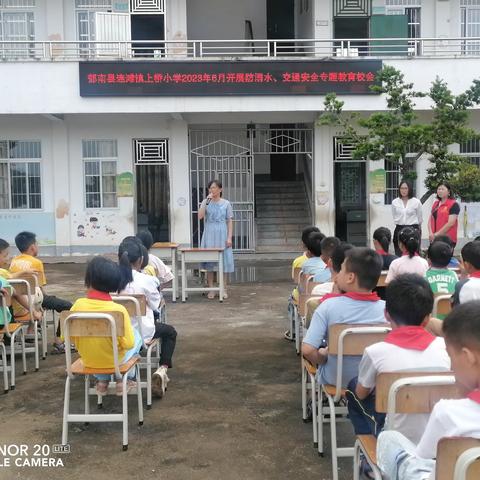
(410, 337)
(330, 295)
(475, 274)
(96, 295)
(474, 395)
(366, 297)
(382, 252)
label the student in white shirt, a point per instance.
(131, 254)
(468, 289)
(410, 261)
(408, 347)
(400, 459)
(406, 211)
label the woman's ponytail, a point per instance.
(411, 240)
(383, 236)
(129, 251)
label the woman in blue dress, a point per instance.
(217, 232)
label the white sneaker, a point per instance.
(160, 381)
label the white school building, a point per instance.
(114, 115)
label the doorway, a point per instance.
(352, 27)
(280, 19)
(148, 28)
(350, 196)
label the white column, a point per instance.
(176, 20)
(323, 192)
(180, 190)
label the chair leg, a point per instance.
(320, 418)
(304, 393)
(4, 367)
(44, 336)
(313, 383)
(12, 357)
(24, 355)
(333, 436)
(139, 396)
(297, 332)
(125, 412)
(149, 378)
(37, 363)
(87, 401)
(66, 411)
(356, 461)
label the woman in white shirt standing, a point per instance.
(406, 211)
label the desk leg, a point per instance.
(184, 278)
(220, 275)
(175, 275)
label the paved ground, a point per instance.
(232, 410)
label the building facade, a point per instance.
(114, 115)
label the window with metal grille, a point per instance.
(17, 3)
(100, 172)
(393, 176)
(470, 25)
(410, 8)
(147, 6)
(20, 176)
(85, 14)
(471, 150)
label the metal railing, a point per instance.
(238, 49)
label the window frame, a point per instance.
(8, 160)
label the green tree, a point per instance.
(398, 135)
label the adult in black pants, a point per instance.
(406, 211)
(51, 302)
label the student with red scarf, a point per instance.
(444, 217)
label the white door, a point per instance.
(115, 31)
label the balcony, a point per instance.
(358, 48)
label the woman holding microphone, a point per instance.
(218, 230)
(406, 211)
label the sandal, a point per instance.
(211, 295)
(59, 348)
(225, 296)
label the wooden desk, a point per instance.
(197, 255)
(168, 251)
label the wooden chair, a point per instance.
(458, 458)
(99, 324)
(382, 278)
(442, 305)
(296, 275)
(343, 340)
(407, 393)
(136, 305)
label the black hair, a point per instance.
(443, 238)
(409, 299)
(366, 264)
(146, 238)
(462, 325)
(129, 251)
(471, 254)
(411, 240)
(307, 231)
(448, 186)
(328, 245)
(103, 275)
(440, 254)
(477, 239)
(314, 243)
(217, 182)
(410, 188)
(24, 240)
(338, 255)
(145, 257)
(3, 245)
(383, 236)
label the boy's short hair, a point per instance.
(443, 238)
(24, 240)
(409, 299)
(103, 275)
(338, 255)
(439, 254)
(3, 245)
(307, 231)
(471, 254)
(462, 325)
(314, 243)
(328, 245)
(366, 264)
(146, 238)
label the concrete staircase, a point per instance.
(282, 213)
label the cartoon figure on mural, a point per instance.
(81, 231)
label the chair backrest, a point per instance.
(442, 305)
(311, 304)
(302, 282)
(411, 397)
(449, 453)
(382, 278)
(92, 324)
(302, 303)
(296, 275)
(25, 284)
(311, 285)
(135, 303)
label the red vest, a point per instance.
(442, 213)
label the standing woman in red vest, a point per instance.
(444, 217)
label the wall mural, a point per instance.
(96, 227)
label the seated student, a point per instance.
(314, 263)
(102, 277)
(410, 261)
(399, 458)
(454, 263)
(131, 254)
(409, 303)
(335, 265)
(358, 305)
(27, 261)
(328, 245)
(441, 279)
(469, 288)
(5, 314)
(382, 237)
(299, 261)
(155, 266)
